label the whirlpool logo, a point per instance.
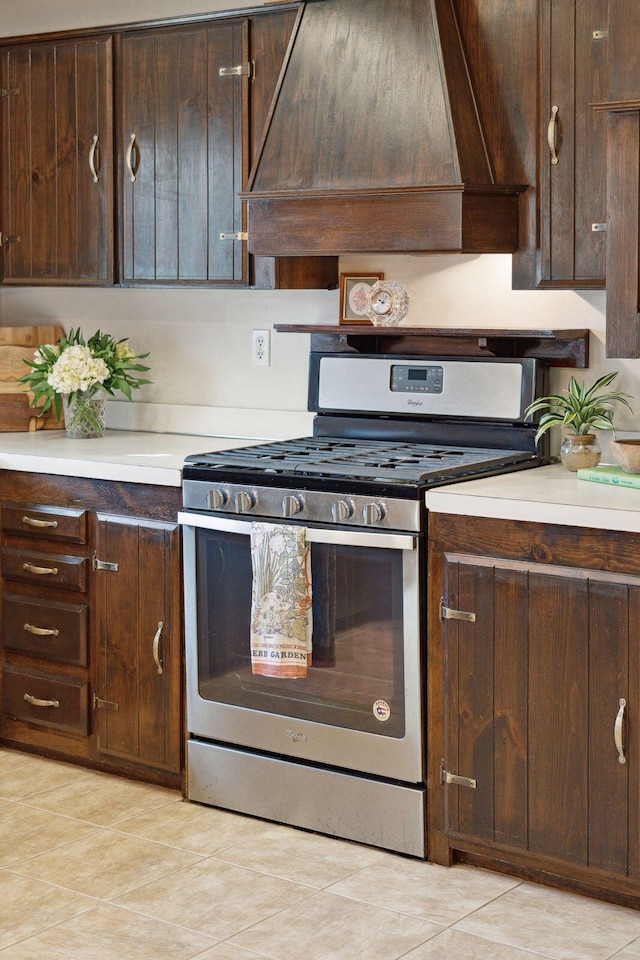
(296, 737)
(415, 403)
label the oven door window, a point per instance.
(356, 675)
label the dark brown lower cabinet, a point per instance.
(91, 615)
(538, 654)
(138, 642)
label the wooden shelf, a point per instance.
(561, 348)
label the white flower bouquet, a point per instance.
(78, 370)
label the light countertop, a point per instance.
(543, 495)
(154, 458)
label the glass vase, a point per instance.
(579, 451)
(84, 417)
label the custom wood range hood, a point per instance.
(374, 142)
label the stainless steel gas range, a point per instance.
(305, 569)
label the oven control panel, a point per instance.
(419, 379)
(315, 506)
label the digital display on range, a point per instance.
(422, 379)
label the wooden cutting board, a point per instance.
(18, 344)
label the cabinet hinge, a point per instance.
(104, 565)
(11, 92)
(600, 35)
(242, 70)
(446, 613)
(598, 227)
(4, 238)
(241, 235)
(99, 704)
(446, 777)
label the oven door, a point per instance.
(359, 707)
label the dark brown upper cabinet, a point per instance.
(537, 66)
(56, 224)
(619, 109)
(624, 34)
(572, 202)
(183, 154)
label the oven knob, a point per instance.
(342, 510)
(292, 505)
(217, 499)
(373, 513)
(244, 501)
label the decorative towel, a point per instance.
(281, 616)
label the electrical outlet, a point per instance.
(261, 348)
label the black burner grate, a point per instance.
(380, 460)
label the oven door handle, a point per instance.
(355, 538)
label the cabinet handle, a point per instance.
(92, 158)
(617, 731)
(40, 571)
(156, 644)
(40, 631)
(132, 172)
(32, 522)
(35, 702)
(551, 134)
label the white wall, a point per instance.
(200, 339)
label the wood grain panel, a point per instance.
(511, 724)
(50, 201)
(475, 701)
(134, 604)
(623, 234)
(608, 682)
(558, 717)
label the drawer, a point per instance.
(46, 523)
(45, 699)
(45, 628)
(45, 569)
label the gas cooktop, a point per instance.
(404, 463)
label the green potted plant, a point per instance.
(579, 409)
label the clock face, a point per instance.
(387, 303)
(382, 302)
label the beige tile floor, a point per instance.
(94, 867)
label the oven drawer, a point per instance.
(45, 569)
(45, 628)
(46, 699)
(50, 523)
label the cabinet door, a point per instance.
(137, 699)
(533, 689)
(572, 202)
(183, 154)
(56, 153)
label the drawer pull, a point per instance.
(617, 731)
(40, 571)
(552, 135)
(132, 165)
(41, 631)
(35, 702)
(156, 645)
(32, 522)
(92, 158)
